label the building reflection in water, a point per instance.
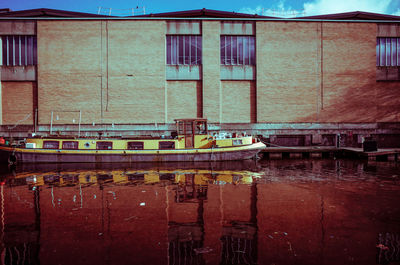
(286, 213)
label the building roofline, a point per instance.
(199, 14)
(355, 15)
(46, 12)
(205, 13)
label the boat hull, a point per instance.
(22, 155)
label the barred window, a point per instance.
(184, 49)
(238, 50)
(19, 50)
(388, 51)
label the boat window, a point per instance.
(179, 127)
(237, 142)
(200, 127)
(135, 145)
(166, 145)
(188, 128)
(51, 144)
(104, 145)
(70, 145)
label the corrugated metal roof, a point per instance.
(46, 12)
(356, 15)
(205, 13)
(198, 13)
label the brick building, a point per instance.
(296, 81)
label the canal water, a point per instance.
(269, 212)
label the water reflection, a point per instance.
(272, 212)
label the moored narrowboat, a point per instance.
(191, 142)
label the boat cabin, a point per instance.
(192, 130)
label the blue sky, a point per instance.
(272, 7)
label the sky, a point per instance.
(279, 8)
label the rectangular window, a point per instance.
(135, 145)
(238, 50)
(19, 50)
(51, 145)
(104, 145)
(166, 145)
(183, 49)
(388, 51)
(70, 145)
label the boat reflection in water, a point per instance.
(302, 212)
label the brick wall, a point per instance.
(182, 99)
(236, 101)
(211, 71)
(112, 71)
(17, 103)
(287, 71)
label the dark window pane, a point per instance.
(174, 47)
(393, 54)
(222, 49)
(240, 50)
(180, 49)
(187, 49)
(10, 50)
(193, 49)
(30, 50)
(166, 145)
(34, 52)
(387, 51)
(168, 49)
(246, 49)
(23, 50)
(16, 50)
(252, 51)
(377, 51)
(135, 145)
(234, 50)
(382, 52)
(104, 145)
(398, 51)
(199, 47)
(228, 42)
(51, 144)
(4, 50)
(70, 145)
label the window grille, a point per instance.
(238, 50)
(388, 51)
(19, 50)
(184, 49)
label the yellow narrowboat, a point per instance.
(191, 142)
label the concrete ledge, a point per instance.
(183, 72)
(238, 72)
(17, 28)
(18, 73)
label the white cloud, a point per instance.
(320, 7)
(248, 10)
(277, 10)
